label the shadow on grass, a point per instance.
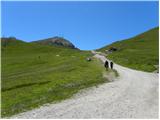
(25, 85)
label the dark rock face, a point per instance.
(113, 49)
(56, 41)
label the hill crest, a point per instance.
(56, 41)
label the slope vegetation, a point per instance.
(139, 52)
(35, 74)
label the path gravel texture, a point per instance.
(134, 94)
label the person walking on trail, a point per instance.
(111, 64)
(106, 65)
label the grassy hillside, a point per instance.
(33, 74)
(139, 52)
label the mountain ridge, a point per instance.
(56, 41)
(52, 41)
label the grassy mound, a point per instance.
(139, 52)
(34, 74)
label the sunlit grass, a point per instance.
(33, 75)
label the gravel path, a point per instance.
(134, 94)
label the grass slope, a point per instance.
(34, 74)
(139, 52)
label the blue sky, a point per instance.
(88, 25)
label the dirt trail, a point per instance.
(134, 94)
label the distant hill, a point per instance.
(139, 52)
(6, 41)
(56, 41)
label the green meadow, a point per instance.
(34, 74)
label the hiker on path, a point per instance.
(106, 65)
(111, 64)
